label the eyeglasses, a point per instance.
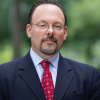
(46, 26)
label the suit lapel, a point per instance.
(30, 76)
(64, 78)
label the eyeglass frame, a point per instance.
(47, 26)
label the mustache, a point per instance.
(49, 38)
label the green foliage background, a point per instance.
(83, 41)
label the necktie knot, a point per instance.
(45, 64)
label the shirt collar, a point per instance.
(37, 59)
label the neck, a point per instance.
(44, 56)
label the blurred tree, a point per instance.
(15, 23)
(84, 25)
(13, 19)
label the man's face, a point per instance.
(46, 42)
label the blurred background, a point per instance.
(83, 41)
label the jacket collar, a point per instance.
(64, 77)
(30, 76)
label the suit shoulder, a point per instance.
(80, 66)
(10, 65)
(15, 64)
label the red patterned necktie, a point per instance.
(47, 82)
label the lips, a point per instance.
(49, 40)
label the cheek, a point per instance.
(60, 39)
(61, 36)
(36, 37)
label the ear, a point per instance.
(28, 30)
(65, 32)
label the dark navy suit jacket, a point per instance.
(75, 81)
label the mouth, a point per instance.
(50, 41)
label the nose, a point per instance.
(50, 31)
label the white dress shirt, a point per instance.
(53, 67)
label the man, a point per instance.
(43, 74)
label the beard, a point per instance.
(49, 51)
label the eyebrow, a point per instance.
(57, 22)
(42, 21)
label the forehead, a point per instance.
(48, 12)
